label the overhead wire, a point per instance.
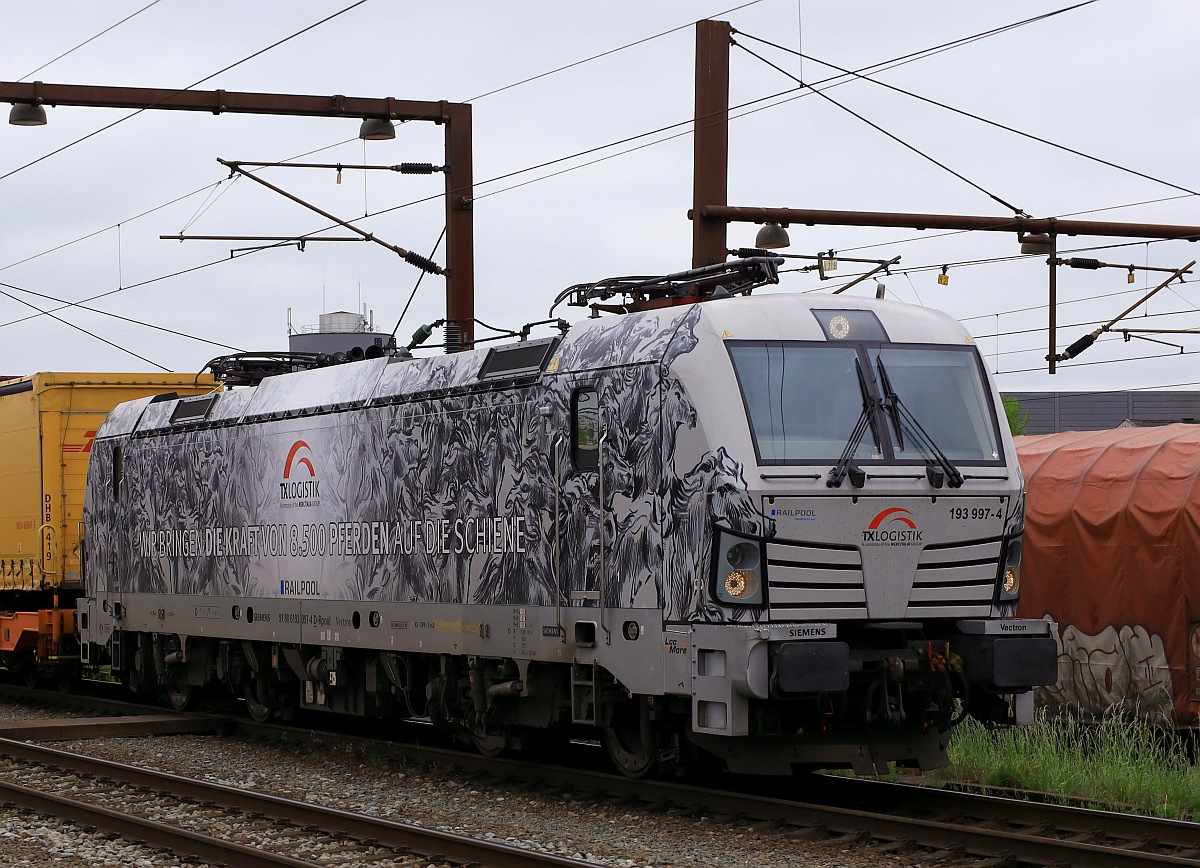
(80, 328)
(860, 75)
(211, 187)
(150, 211)
(801, 90)
(897, 61)
(117, 316)
(821, 93)
(139, 284)
(925, 53)
(980, 336)
(1040, 139)
(214, 194)
(610, 51)
(911, 57)
(92, 38)
(1096, 362)
(225, 69)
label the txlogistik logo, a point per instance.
(300, 485)
(893, 526)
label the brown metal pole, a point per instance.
(1053, 301)
(460, 279)
(710, 178)
(1049, 225)
(219, 101)
(460, 245)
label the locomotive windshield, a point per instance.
(804, 401)
(944, 392)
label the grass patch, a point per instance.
(1118, 764)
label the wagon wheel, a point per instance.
(29, 673)
(65, 681)
(623, 739)
(180, 694)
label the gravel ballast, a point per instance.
(565, 825)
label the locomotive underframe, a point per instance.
(755, 696)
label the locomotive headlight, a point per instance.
(743, 554)
(738, 569)
(1010, 578)
(741, 583)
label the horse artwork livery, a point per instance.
(776, 531)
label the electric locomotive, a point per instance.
(776, 530)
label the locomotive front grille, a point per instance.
(813, 582)
(956, 579)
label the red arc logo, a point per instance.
(302, 460)
(893, 514)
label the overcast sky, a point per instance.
(1114, 79)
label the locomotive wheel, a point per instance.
(622, 738)
(256, 706)
(180, 694)
(488, 744)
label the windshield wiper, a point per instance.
(937, 469)
(866, 419)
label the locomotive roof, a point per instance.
(636, 338)
(787, 316)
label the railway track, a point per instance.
(868, 815)
(229, 826)
(887, 817)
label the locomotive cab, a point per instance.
(870, 608)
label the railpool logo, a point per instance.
(798, 514)
(893, 526)
(300, 485)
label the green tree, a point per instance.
(1012, 409)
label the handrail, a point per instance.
(562, 633)
(600, 530)
(53, 548)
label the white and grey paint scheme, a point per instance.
(632, 527)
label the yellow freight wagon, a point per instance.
(47, 424)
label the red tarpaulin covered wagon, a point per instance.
(1112, 553)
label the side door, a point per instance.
(611, 491)
(580, 548)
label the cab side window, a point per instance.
(585, 428)
(118, 474)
